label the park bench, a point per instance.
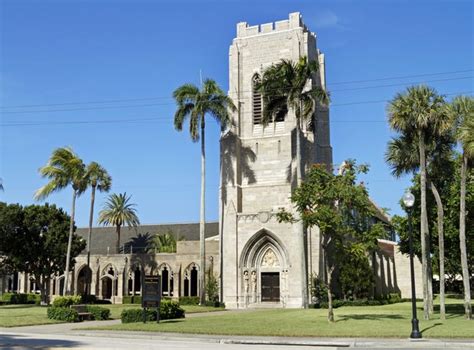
(82, 312)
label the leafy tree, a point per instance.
(98, 179)
(461, 109)
(212, 287)
(34, 240)
(64, 168)
(117, 211)
(289, 85)
(418, 114)
(340, 208)
(194, 104)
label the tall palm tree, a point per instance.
(64, 168)
(195, 104)
(462, 112)
(402, 155)
(289, 85)
(416, 114)
(98, 179)
(117, 211)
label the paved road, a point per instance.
(68, 336)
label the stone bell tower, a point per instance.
(261, 261)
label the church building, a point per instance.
(257, 260)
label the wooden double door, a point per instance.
(270, 282)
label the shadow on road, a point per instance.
(16, 342)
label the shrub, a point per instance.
(168, 310)
(135, 299)
(189, 300)
(88, 299)
(21, 298)
(102, 302)
(98, 313)
(63, 314)
(67, 301)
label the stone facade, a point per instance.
(259, 171)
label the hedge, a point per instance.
(66, 301)
(135, 299)
(21, 298)
(98, 313)
(168, 310)
(391, 299)
(189, 300)
(63, 314)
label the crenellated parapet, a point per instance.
(294, 21)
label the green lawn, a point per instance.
(28, 315)
(374, 321)
(23, 315)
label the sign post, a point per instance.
(151, 295)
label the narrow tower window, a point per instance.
(256, 100)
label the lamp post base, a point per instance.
(415, 331)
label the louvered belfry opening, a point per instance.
(256, 101)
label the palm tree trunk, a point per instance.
(301, 236)
(424, 228)
(117, 248)
(440, 213)
(89, 235)
(202, 218)
(462, 240)
(66, 290)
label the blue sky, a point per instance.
(136, 53)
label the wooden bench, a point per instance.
(82, 312)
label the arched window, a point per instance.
(256, 100)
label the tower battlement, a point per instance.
(294, 21)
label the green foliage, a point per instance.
(135, 299)
(391, 299)
(448, 186)
(212, 288)
(319, 290)
(168, 310)
(98, 313)
(189, 300)
(34, 240)
(117, 212)
(164, 243)
(21, 298)
(88, 299)
(355, 275)
(66, 301)
(63, 314)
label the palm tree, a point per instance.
(403, 157)
(416, 114)
(164, 243)
(117, 212)
(98, 179)
(64, 168)
(195, 103)
(289, 85)
(462, 112)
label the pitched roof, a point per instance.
(103, 237)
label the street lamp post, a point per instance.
(408, 201)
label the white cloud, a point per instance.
(327, 19)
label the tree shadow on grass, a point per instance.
(452, 310)
(173, 321)
(370, 317)
(432, 326)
